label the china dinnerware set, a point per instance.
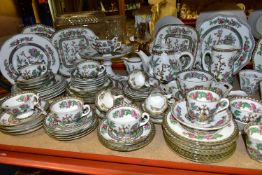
(195, 66)
(126, 128)
(87, 79)
(22, 113)
(69, 119)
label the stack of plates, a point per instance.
(49, 90)
(136, 95)
(35, 83)
(10, 124)
(200, 143)
(143, 137)
(72, 131)
(87, 88)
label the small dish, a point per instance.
(219, 120)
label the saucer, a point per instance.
(108, 139)
(10, 120)
(219, 120)
(53, 126)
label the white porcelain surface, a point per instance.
(70, 42)
(133, 63)
(125, 120)
(203, 104)
(231, 31)
(137, 79)
(20, 103)
(249, 80)
(189, 79)
(105, 100)
(166, 20)
(32, 71)
(25, 49)
(221, 135)
(69, 109)
(156, 103)
(219, 120)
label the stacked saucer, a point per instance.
(88, 78)
(136, 94)
(110, 140)
(125, 129)
(72, 131)
(208, 142)
(48, 87)
(69, 119)
(26, 123)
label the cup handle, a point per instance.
(203, 60)
(87, 110)
(223, 104)
(145, 119)
(118, 96)
(117, 46)
(191, 62)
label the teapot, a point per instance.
(165, 63)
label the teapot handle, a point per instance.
(191, 62)
(203, 60)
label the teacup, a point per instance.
(223, 87)
(125, 120)
(32, 71)
(202, 104)
(249, 80)
(246, 109)
(138, 79)
(189, 79)
(89, 69)
(69, 109)
(156, 103)
(21, 103)
(106, 46)
(106, 100)
(134, 63)
(254, 140)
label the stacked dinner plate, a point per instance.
(10, 124)
(71, 131)
(206, 143)
(47, 86)
(87, 88)
(136, 94)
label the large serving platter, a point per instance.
(227, 30)
(40, 29)
(252, 21)
(24, 49)
(181, 37)
(166, 20)
(69, 43)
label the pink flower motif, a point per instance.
(260, 130)
(253, 107)
(209, 137)
(241, 58)
(209, 96)
(238, 105)
(134, 114)
(195, 95)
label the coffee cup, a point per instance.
(125, 120)
(21, 103)
(203, 104)
(69, 109)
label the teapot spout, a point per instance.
(145, 59)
